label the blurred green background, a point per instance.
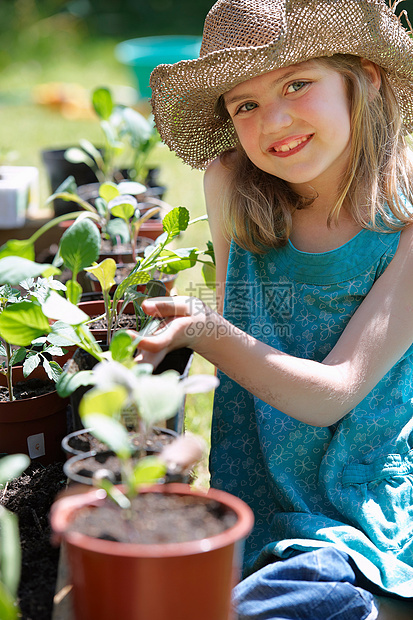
(52, 55)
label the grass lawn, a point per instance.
(28, 126)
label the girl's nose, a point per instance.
(275, 117)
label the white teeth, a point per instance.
(288, 147)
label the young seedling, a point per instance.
(41, 313)
(127, 135)
(177, 459)
(79, 247)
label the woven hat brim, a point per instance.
(185, 93)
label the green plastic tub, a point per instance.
(145, 53)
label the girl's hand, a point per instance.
(183, 325)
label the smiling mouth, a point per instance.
(290, 146)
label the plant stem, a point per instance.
(54, 222)
(9, 373)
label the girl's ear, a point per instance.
(373, 72)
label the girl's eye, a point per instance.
(295, 86)
(246, 107)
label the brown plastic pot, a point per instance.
(34, 426)
(182, 581)
(97, 308)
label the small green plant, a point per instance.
(157, 258)
(10, 553)
(118, 221)
(176, 459)
(79, 247)
(128, 140)
(42, 313)
(23, 307)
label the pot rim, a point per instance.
(64, 508)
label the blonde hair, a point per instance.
(259, 207)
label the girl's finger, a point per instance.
(170, 306)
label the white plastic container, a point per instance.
(19, 192)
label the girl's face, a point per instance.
(294, 123)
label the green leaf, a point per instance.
(80, 245)
(63, 335)
(73, 291)
(67, 186)
(102, 102)
(148, 470)
(122, 346)
(78, 156)
(88, 147)
(15, 269)
(131, 187)
(108, 191)
(135, 126)
(8, 606)
(17, 356)
(138, 277)
(60, 309)
(23, 322)
(10, 553)
(159, 397)
(118, 231)
(209, 273)
(68, 383)
(175, 221)
(110, 432)
(104, 272)
(12, 466)
(53, 370)
(107, 402)
(54, 350)
(123, 206)
(30, 364)
(180, 260)
(16, 247)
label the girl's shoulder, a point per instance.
(219, 171)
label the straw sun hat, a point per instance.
(244, 38)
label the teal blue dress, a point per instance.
(348, 485)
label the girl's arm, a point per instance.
(378, 334)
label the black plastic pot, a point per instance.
(179, 360)
(58, 170)
(81, 467)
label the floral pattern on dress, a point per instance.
(350, 484)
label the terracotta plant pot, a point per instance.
(174, 581)
(34, 426)
(97, 308)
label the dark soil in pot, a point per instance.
(126, 321)
(28, 389)
(155, 519)
(30, 497)
(86, 442)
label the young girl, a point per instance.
(300, 110)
